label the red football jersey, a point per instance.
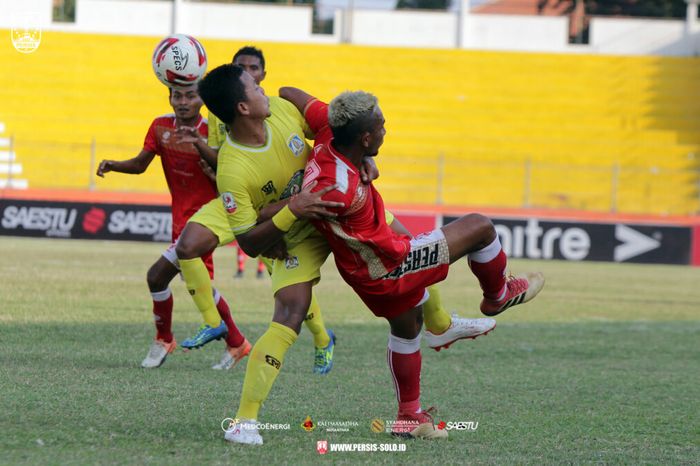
(364, 246)
(189, 187)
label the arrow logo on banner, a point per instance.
(633, 244)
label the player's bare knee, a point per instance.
(155, 280)
(187, 248)
(482, 226)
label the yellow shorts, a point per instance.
(304, 265)
(306, 260)
(213, 216)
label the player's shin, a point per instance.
(404, 359)
(489, 266)
(199, 286)
(264, 364)
(436, 319)
(314, 322)
(163, 314)
(234, 337)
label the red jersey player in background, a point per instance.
(180, 141)
(391, 271)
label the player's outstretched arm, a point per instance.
(134, 166)
(306, 204)
(299, 98)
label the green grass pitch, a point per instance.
(603, 367)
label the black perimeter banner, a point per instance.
(85, 221)
(578, 241)
(521, 238)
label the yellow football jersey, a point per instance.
(250, 178)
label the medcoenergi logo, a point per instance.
(230, 424)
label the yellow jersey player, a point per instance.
(261, 161)
(252, 60)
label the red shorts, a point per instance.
(403, 288)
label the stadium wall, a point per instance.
(365, 27)
(583, 132)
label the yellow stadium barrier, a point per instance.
(602, 133)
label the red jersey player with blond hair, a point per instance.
(180, 139)
(391, 271)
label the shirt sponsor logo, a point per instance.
(55, 221)
(293, 185)
(417, 259)
(229, 202)
(296, 145)
(268, 188)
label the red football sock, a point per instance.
(234, 338)
(261, 266)
(241, 260)
(405, 370)
(163, 314)
(489, 266)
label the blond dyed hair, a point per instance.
(350, 105)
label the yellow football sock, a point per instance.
(264, 364)
(314, 322)
(437, 320)
(199, 285)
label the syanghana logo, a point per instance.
(377, 426)
(26, 33)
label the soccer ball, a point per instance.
(179, 60)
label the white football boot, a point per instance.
(459, 329)
(157, 353)
(244, 431)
